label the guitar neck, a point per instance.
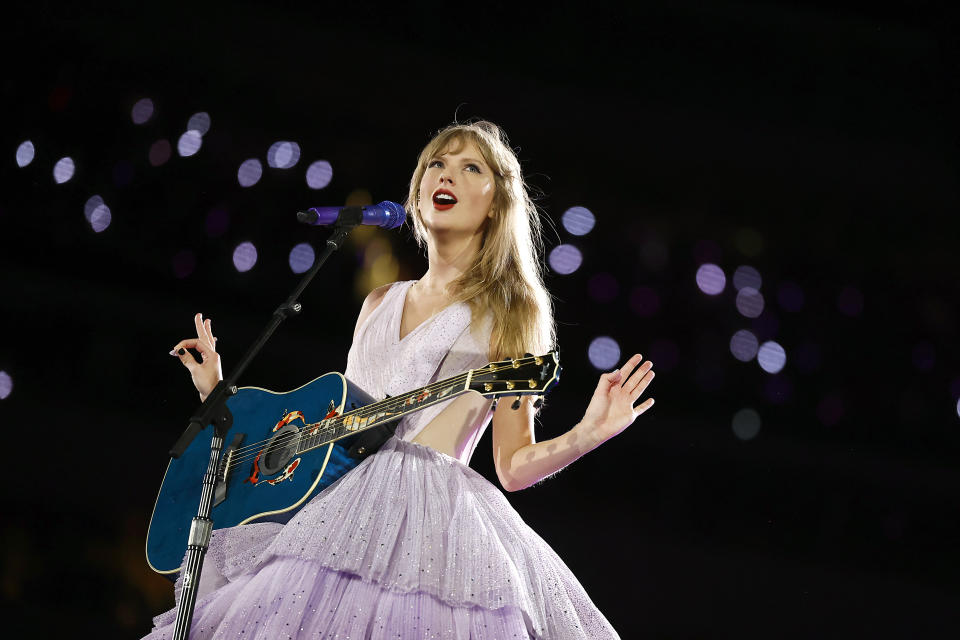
(331, 429)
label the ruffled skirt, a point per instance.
(410, 544)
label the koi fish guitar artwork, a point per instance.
(284, 448)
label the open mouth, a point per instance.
(443, 200)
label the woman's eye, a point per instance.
(434, 163)
(473, 167)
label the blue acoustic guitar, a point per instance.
(283, 448)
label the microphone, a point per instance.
(388, 215)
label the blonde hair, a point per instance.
(507, 277)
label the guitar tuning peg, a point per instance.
(516, 404)
(538, 403)
(493, 407)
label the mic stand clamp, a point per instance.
(214, 411)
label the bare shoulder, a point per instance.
(371, 302)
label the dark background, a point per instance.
(824, 131)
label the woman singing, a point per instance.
(413, 543)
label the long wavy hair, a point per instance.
(507, 276)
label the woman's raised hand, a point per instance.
(611, 408)
(206, 373)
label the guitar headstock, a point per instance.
(530, 375)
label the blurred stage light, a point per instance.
(92, 203)
(142, 111)
(603, 287)
(806, 356)
(6, 385)
(25, 153)
(749, 241)
(771, 357)
(160, 152)
(63, 170)
(283, 154)
(746, 276)
(850, 302)
(711, 279)
(319, 174)
(301, 257)
(830, 409)
(664, 353)
(743, 345)
(750, 302)
(199, 122)
(778, 389)
(249, 172)
(100, 218)
(578, 221)
(189, 143)
(644, 301)
(958, 408)
(790, 297)
(654, 253)
(217, 222)
(565, 259)
(746, 424)
(244, 256)
(604, 353)
(183, 263)
(924, 356)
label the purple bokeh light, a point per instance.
(750, 302)
(199, 122)
(830, 409)
(850, 302)
(604, 353)
(100, 218)
(711, 279)
(565, 259)
(771, 357)
(319, 174)
(603, 287)
(578, 221)
(644, 301)
(6, 385)
(746, 276)
(924, 356)
(217, 222)
(92, 203)
(301, 257)
(283, 154)
(183, 263)
(25, 153)
(63, 170)
(790, 296)
(160, 152)
(746, 424)
(249, 172)
(189, 143)
(142, 111)
(665, 354)
(744, 345)
(244, 256)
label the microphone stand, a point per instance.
(214, 411)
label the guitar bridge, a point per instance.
(220, 490)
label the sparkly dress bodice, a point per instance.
(444, 345)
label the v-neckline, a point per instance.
(403, 305)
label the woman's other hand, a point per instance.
(611, 408)
(206, 373)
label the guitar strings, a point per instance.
(250, 451)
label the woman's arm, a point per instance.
(521, 461)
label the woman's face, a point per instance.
(456, 191)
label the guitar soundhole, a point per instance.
(281, 448)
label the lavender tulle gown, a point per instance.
(410, 544)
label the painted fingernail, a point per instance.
(181, 351)
(172, 352)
